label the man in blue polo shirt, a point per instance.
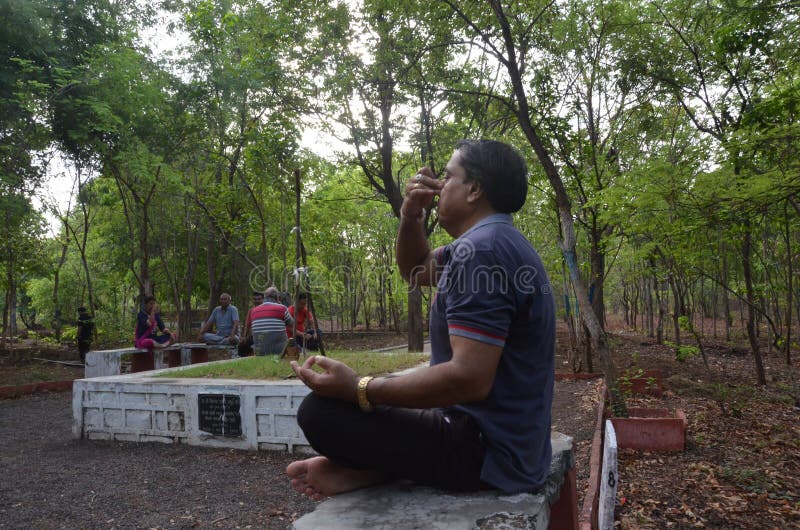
(479, 415)
(226, 319)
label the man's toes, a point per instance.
(296, 469)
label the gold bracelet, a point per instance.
(363, 402)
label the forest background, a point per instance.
(661, 137)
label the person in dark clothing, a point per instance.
(85, 332)
(479, 416)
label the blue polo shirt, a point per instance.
(493, 288)
(224, 319)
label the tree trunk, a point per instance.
(597, 264)
(568, 241)
(415, 325)
(726, 300)
(677, 310)
(751, 313)
(789, 273)
(57, 318)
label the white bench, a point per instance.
(100, 363)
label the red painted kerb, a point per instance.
(32, 388)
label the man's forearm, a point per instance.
(442, 385)
(412, 248)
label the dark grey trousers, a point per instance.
(433, 447)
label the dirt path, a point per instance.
(51, 480)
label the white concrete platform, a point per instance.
(141, 408)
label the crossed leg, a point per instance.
(364, 449)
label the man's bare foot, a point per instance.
(318, 477)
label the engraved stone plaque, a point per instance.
(219, 414)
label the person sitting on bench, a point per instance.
(269, 322)
(479, 416)
(150, 331)
(226, 318)
(306, 337)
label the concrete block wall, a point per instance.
(142, 408)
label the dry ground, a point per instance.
(740, 469)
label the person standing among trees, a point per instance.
(85, 332)
(479, 416)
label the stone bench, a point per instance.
(401, 506)
(100, 363)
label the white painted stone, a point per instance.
(160, 420)
(138, 420)
(265, 424)
(273, 447)
(103, 398)
(136, 398)
(608, 480)
(92, 417)
(272, 402)
(175, 422)
(112, 418)
(122, 437)
(159, 400)
(158, 439)
(286, 426)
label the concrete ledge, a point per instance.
(402, 506)
(101, 363)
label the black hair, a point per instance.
(149, 298)
(302, 296)
(81, 309)
(500, 171)
(258, 293)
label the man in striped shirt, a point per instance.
(268, 322)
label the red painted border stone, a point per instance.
(587, 520)
(577, 376)
(45, 386)
(649, 383)
(651, 430)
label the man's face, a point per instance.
(150, 305)
(453, 196)
(301, 303)
(224, 301)
(258, 299)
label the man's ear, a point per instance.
(475, 191)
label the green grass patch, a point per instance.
(271, 367)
